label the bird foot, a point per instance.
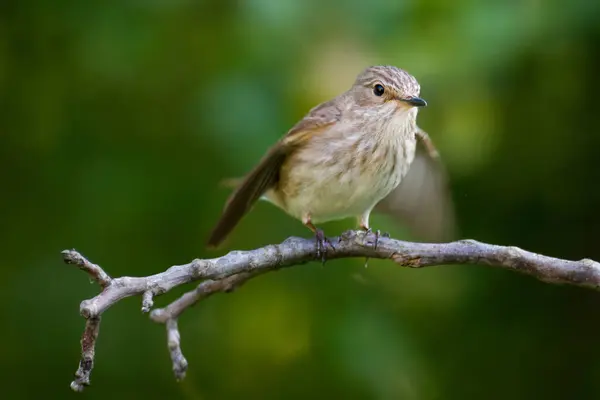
(378, 235)
(321, 242)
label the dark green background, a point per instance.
(118, 119)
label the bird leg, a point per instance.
(363, 223)
(321, 240)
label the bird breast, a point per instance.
(345, 170)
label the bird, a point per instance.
(359, 152)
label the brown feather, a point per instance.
(262, 177)
(266, 174)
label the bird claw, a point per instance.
(378, 234)
(321, 242)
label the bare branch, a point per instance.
(174, 345)
(88, 350)
(225, 273)
(202, 291)
(93, 270)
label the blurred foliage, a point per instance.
(118, 119)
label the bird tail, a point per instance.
(234, 183)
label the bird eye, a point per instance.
(378, 90)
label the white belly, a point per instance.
(328, 182)
(333, 197)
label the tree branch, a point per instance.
(223, 274)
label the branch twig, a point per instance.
(223, 274)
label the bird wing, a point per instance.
(423, 200)
(266, 174)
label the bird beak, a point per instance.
(416, 101)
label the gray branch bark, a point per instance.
(223, 274)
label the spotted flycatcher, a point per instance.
(358, 152)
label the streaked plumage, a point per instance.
(349, 155)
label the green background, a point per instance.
(119, 118)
